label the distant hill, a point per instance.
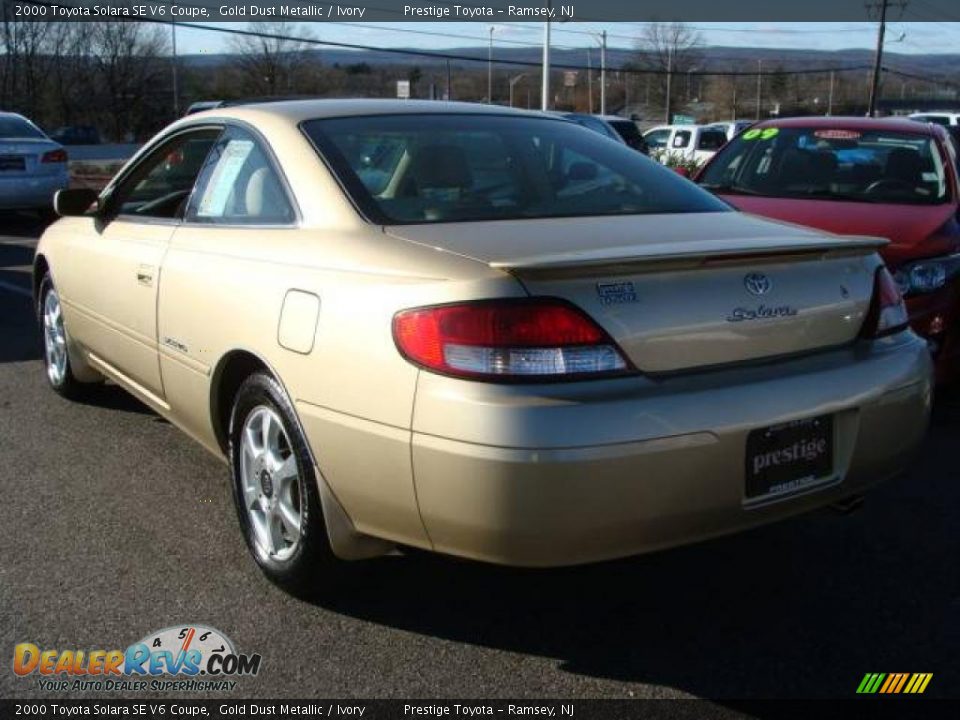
(714, 58)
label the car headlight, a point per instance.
(928, 276)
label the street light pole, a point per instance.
(490, 69)
(669, 112)
(759, 86)
(545, 85)
(603, 73)
(176, 79)
(589, 83)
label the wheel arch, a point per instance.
(40, 268)
(233, 368)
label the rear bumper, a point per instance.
(571, 474)
(31, 192)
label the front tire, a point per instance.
(56, 356)
(275, 487)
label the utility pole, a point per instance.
(545, 85)
(882, 6)
(449, 92)
(490, 69)
(878, 60)
(734, 116)
(603, 73)
(669, 113)
(176, 79)
(759, 87)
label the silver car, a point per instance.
(32, 166)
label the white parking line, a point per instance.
(16, 289)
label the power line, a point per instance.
(438, 55)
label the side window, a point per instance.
(160, 186)
(657, 138)
(681, 139)
(712, 140)
(239, 185)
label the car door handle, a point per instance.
(145, 275)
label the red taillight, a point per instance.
(888, 312)
(506, 339)
(54, 156)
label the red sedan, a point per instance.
(862, 176)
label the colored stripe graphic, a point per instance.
(894, 683)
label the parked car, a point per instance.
(76, 135)
(892, 178)
(516, 342)
(947, 119)
(732, 128)
(698, 143)
(32, 166)
(614, 127)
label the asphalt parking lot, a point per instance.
(114, 524)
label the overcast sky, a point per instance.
(921, 37)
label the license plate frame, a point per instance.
(789, 458)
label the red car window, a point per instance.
(834, 164)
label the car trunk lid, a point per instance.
(683, 291)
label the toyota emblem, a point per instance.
(757, 284)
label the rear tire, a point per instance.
(55, 341)
(275, 487)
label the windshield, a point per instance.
(12, 128)
(833, 164)
(456, 168)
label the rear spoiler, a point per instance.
(690, 251)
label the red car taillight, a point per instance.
(54, 156)
(888, 312)
(544, 339)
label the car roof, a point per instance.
(297, 111)
(850, 123)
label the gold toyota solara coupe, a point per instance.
(484, 332)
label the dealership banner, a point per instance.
(498, 11)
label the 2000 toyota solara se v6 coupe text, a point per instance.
(487, 333)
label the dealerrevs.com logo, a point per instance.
(184, 658)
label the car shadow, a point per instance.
(13, 255)
(802, 608)
(22, 225)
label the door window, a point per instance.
(681, 139)
(239, 185)
(160, 186)
(657, 138)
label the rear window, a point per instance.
(12, 128)
(712, 140)
(832, 164)
(427, 168)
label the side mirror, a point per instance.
(679, 170)
(74, 201)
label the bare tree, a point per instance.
(126, 57)
(271, 62)
(24, 64)
(69, 81)
(669, 49)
